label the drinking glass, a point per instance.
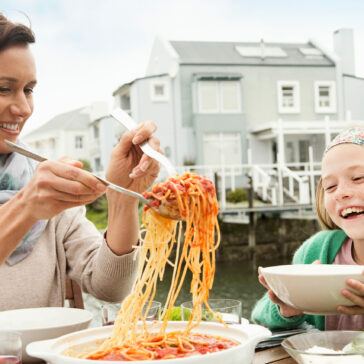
(108, 316)
(228, 309)
(10, 347)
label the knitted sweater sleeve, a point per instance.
(91, 263)
(323, 246)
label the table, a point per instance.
(275, 355)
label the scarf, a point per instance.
(15, 172)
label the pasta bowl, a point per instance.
(43, 323)
(54, 351)
(312, 288)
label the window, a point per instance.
(219, 96)
(288, 97)
(159, 91)
(311, 53)
(262, 51)
(325, 97)
(97, 163)
(96, 131)
(222, 149)
(79, 142)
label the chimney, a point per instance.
(344, 48)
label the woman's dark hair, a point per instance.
(14, 34)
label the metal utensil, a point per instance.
(122, 117)
(164, 209)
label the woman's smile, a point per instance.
(10, 128)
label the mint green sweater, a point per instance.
(322, 246)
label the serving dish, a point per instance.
(43, 323)
(312, 288)
(53, 351)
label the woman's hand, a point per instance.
(286, 310)
(129, 167)
(356, 297)
(59, 185)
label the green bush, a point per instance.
(239, 195)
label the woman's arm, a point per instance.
(54, 187)
(131, 169)
(15, 223)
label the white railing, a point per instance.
(262, 182)
(268, 181)
(295, 180)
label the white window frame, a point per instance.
(159, 98)
(296, 97)
(79, 141)
(332, 109)
(220, 107)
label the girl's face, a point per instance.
(17, 81)
(343, 183)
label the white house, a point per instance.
(68, 133)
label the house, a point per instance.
(87, 133)
(225, 104)
(215, 100)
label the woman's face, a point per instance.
(343, 183)
(17, 81)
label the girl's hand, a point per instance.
(355, 297)
(56, 186)
(129, 167)
(286, 310)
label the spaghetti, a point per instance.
(196, 200)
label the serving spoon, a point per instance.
(165, 209)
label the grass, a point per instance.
(98, 218)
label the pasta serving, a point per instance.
(196, 200)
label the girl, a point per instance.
(44, 233)
(340, 207)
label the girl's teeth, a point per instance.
(9, 126)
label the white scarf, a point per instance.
(15, 172)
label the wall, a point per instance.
(275, 238)
(353, 88)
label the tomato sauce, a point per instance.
(203, 344)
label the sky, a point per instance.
(86, 49)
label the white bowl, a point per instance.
(325, 347)
(44, 323)
(248, 335)
(312, 288)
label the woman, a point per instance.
(44, 234)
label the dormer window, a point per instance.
(159, 91)
(288, 97)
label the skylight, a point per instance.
(311, 53)
(262, 51)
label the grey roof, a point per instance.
(137, 79)
(199, 52)
(71, 120)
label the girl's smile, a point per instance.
(343, 183)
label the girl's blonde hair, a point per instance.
(322, 214)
